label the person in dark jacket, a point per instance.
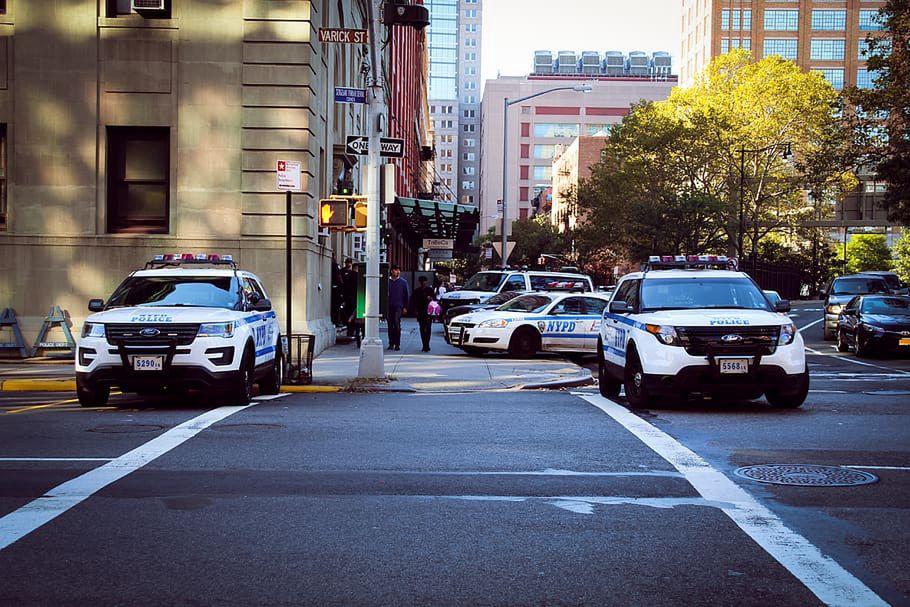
(349, 279)
(423, 295)
(399, 294)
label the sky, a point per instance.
(514, 29)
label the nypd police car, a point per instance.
(184, 321)
(550, 322)
(484, 285)
(684, 326)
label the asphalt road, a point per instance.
(500, 498)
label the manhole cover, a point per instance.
(806, 475)
(126, 428)
(887, 392)
(247, 427)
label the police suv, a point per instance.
(184, 321)
(552, 322)
(692, 326)
(484, 285)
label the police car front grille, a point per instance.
(466, 325)
(130, 334)
(701, 341)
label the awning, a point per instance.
(438, 219)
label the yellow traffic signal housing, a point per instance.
(333, 213)
(360, 215)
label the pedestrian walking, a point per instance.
(421, 299)
(441, 290)
(399, 295)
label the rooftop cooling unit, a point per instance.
(614, 63)
(543, 62)
(589, 62)
(639, 64)
(147, 5)
(566, 62)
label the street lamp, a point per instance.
(506, 102)
(786, 153)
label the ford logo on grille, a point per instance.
(149, 332)
(732, 338)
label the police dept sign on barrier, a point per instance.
(289, 175)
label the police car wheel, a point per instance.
(271, 383)
(92, 395)
(243, 391)
(525, 343)
(606, 384)
(790, 400)
(636, 394)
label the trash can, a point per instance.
(298, 358)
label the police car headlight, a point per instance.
(666, 335)
(216, 329)
(92, 329)
(787, 335)
(834, 308)
(493, 323)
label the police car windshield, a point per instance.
(701, 293)
(194, 291)
(484, 281)
(526, 303)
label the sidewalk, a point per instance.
(443, 369)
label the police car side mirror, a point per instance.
(263, 305)
(95, 305)
(782, 306)
(619, 307)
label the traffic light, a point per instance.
(333, 213)
(360, 215)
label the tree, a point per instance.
(677, 175)
(882, 111)
(902, 250)
(866, 252)
(533, 237)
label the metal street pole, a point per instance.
(580, 88)
(372, 362)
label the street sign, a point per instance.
(439, 254)
(438, 243)
(340, 35)
(391, 148)
(510, 244)
(357, 145)
(289, 175)
(348, 95)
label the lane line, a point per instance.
(45, 406)
(811, 324)
(879, 467)
(823, 576)
(19, 523)
(857, 362)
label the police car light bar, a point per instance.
(176, 259)
(667, 262)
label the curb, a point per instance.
(38, 385)
(311, 388)
(574, 382)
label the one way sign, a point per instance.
(388, 146)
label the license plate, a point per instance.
(148, 363)
(734, 365)
(904, 341)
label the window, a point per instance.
(727, 43)
(469, 156)
(543, 173)
(523, 171)
(829, 20)
(784, 47)
(467, 199)
(472, 56)
(544, 129)
(827, 50)
(469, 143)
(544, 152)
(594, 129)
(833, 75)
(883, 49)
(467, 185)
(138, 179)
(118, 8)
(738, 19)
(470, 42)
(468, 170)
(525, 151)
(865, 78)
(470, 85)
(470, 99)
(470, 13)
(469, 128)
(471, 28)
(781, 20)
(3, 219)
(869, 20)
(470, 71)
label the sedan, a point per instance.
(494, 302)
(875, 323)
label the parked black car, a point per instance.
(494, 302)
(875, 323)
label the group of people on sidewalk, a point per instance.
(423, 302)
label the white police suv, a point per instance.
(184, 321)
(550, 322)
(683, 326)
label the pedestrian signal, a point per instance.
(333, 213)
(360, 215)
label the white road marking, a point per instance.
(811, 324)
(857, 362)
(19, 523)
(880, 467)
(56, 459)
(823, 576)
(585, 504)
(271, 396)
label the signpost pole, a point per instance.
(287, 246)
(372, 363)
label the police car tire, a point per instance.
(790, 400)
(242, 393)
(605, 383)
(525, 343)
(637, 396)
(92, 395)
(271, 383)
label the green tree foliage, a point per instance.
(866, 252)
(884, 109)
(902, 250)
(534, 237)
(671, 175)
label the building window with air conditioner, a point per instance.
(138, 179)
(151, 9)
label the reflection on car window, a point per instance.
(501, 298)
(484, 281)
(858, 286)
(700, 293)
(526, 303)
(203, 291)
(892, 306)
